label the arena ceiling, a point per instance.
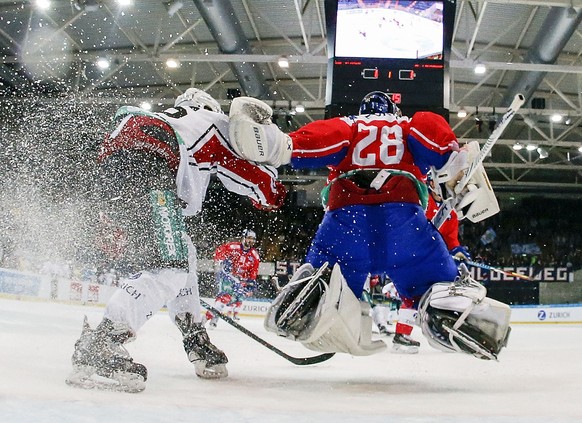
(532, 46)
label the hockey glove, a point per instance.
(460, 253)
(254, 137)
(277, 200)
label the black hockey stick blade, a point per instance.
(300, 361)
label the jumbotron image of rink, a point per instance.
(536, 380)
(415, 31)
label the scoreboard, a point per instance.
(398, 47)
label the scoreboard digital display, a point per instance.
(399, 47)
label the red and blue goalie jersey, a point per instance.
(374, 142)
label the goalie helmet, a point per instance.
(378, 102)
(194, 97)
(458, 317)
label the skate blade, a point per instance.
(85, 377)
(404, 349)
(218, 371)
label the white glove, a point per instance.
(254, 137)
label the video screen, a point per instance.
(389, 29)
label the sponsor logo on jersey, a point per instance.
(131, 290)
(169, 226)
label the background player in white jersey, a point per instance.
(374, 223)
(155, 169)
(237, 267)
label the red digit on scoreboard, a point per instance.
(396, 98)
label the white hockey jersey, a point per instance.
(195, 143)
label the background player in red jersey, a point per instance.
(237, 267)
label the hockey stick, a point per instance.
(300, 361)
(450, 203)
(515, 105)
(497, 270)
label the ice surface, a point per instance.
(538, 378)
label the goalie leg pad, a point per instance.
(292, 311)
(327, 318)
(343, 322)
(458, 317)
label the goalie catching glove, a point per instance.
(254, 137)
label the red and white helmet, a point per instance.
(194, 97)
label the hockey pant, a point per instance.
(142, 295)
(381, 315)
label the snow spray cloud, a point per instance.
(47, 168)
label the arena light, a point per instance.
(283, 62)
(462, 113)
(556, 118)
(43, 4)
(543, 153)
(517, 146)
(103, 63)
(172, 63)
(300, 108)
(530, 147)
(480, 69)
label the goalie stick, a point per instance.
(300, 361)
(515, 105)
(449, 204)
(497, 270)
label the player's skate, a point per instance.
(209, 362)
(100, 361)
(383, 329)
(213, 322)
(404, 344)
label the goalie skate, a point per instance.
(101, 362)
(404, 344)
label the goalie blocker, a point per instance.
(324, 315)
(254, 137)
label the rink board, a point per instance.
(21, 284)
